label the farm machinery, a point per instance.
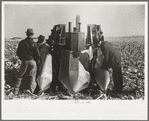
(73, 72)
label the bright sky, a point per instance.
(115, 19)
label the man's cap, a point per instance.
(30, 31)
(41, 37)
(101, 32)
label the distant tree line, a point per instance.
(13, 38)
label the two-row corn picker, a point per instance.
(69, 70)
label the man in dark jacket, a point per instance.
(112, 59)
(44, 50)
(28, 53)
(39, 43)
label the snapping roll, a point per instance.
(102, 76)
(45, 78)
(72, 73)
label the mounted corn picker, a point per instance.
(72, 55)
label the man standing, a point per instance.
(112, 59)
(28, 53)
(39, 43)
(40, 40)
(44, 49)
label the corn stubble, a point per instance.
(132, 53)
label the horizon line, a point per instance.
(104, 36)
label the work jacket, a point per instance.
(112, 59)
(38, 45)
(28, 50)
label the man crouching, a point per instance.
(112, 59)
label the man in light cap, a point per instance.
(44, 49)
(40, 40)
(28, 53)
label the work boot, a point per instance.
(29, 93)
(16, 91)
(40, 93)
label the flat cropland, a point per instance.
(132, 53)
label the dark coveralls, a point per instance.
(28, 53)
(38, 44)
(44, 49)
(112, 59)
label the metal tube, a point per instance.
(77, 22)
(79, 26)
(70, 27)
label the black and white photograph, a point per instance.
(74, 54)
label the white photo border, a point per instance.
(53, 110)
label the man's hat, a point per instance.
(101, 32)
(41, 37)
(30, 31)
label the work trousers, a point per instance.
(118, 79)
(27, 70)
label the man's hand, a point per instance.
(75, 54)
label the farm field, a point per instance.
(133, 65)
